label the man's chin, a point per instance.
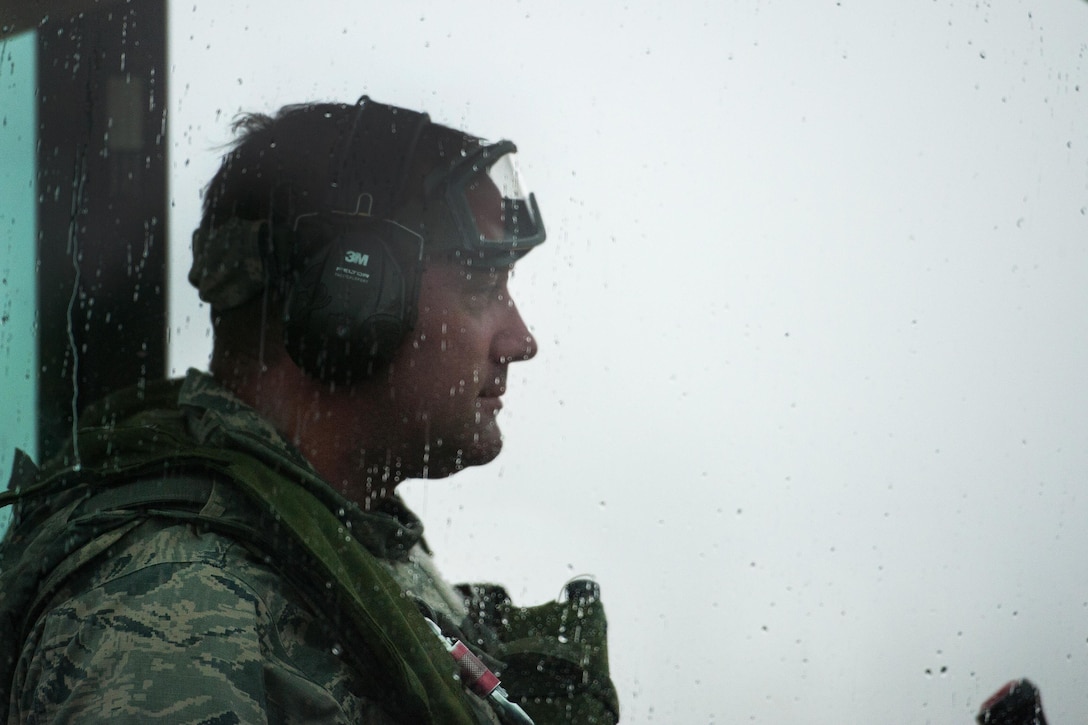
(472, 453)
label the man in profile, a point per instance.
(230, 547)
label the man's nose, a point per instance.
(513, 342)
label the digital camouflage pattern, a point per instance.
(162, 615)
(183, 627)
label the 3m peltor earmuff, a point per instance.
(352, 299)
(350, 305)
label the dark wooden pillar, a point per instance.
(102, 151)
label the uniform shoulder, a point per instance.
(171, 604)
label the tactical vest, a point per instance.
(552, 657)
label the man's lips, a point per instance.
(491, 399)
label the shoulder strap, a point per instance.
(175, 491)
(387, 623)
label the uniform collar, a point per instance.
(215, 417)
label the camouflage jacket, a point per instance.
(183, 563)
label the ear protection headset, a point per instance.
(349, 272)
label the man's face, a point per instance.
(447, 379)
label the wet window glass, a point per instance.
(810, 315)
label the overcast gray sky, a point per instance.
(810, 400)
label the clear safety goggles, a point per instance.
(487, 198)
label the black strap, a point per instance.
(176, 491)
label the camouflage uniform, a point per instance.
(212, 611)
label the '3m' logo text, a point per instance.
(353, 257)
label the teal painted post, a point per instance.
(18, 245)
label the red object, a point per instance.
(1000, 695)
(474, 673)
